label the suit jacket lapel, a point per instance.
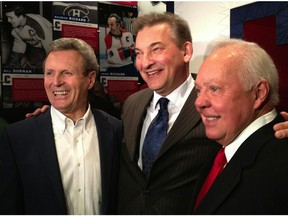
(133, 124)
(230, 177)
(45, 144)
(106, 154)
(187, 119)
(222, 187)
(48, 154)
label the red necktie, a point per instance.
(217, 167)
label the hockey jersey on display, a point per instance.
(119, 49)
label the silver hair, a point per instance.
(89, 59)
(257, 65)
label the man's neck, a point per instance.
(117, 34)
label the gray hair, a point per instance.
(257, 65)
(89, 59)
(180, 28)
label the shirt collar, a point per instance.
(176, 97)
(60, 120)
(248, 131)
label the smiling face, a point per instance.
(66, 84)
(225, 107)
(162, 64)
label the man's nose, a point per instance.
(57, 79)
(202, 100)
(147, 60)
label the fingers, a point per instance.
(38, 111)
(281, 129)
(44, 108)
(280, 134)
(285, 115)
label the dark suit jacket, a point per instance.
(255, 181)
(172, 178)
(30, 179)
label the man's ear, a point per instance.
(187, 51)
(92, 79)
(261, 93)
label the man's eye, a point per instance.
(49, 73)
(157, 50)
(214, 89)
(67, 73)
(137, 53)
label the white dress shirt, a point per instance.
(231, 149)
(78, 156)
(177, 100)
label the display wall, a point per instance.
(23, 49)
(207, 20)
(269, 19)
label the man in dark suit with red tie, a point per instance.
(237, 89)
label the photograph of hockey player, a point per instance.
(120, 49)
(31, 33)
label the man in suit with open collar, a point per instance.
(237, 95)
(66, 160)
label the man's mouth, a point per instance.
(212, 118)
(60, 93)
(153, 72)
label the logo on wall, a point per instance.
(77, 10)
